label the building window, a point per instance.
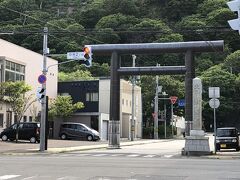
(15, 118)
(126, 102)
(122, 101)
(14, 72)
(24, 118)
(1, 120)
(30, 118)
(92, 97)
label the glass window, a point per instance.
(24, 118)
(30, 118)
(14, 126)
(13, 66)
(122, 101)
(14, 72)
(18, 67)
(7, 64)
(1, 120)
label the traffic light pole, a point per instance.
(43, 101)
(133, 103)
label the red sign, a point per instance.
(173, 99)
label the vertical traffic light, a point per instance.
(40, 93)
(87, 56)
(235, 6)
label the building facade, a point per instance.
(20, 64)
(95, 94)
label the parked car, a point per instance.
(227, 138)
(77, 131)
(26, 131)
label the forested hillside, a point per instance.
(74, 23)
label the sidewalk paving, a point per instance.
(61, 146)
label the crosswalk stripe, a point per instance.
(115, 155)
(149, 156)
(133, 155)
(8, 177)
(98, 155)
(168, 156)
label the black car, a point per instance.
(26, 131)
(227, 138)
(78, 131)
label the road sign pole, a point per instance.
(215, 124)
(43, 102)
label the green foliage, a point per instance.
(63, 107)
(17, 96)
(74, 76)
(232, 62)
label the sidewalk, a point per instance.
(61, 146)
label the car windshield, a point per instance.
(88, 128)
(226, 132)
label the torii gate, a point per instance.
(116, 50)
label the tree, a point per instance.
(74, 76)
(16, 95)
(232, 62)
(63, 107)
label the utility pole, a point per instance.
(133, 103)
(156, 111)
(43, 101)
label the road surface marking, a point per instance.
(133, 155)
(149, 156)
(115, 155)
(29, 177)
(168, 156)
(80, 155)
(8, 177)
(98, 155)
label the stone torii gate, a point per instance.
(116, 50)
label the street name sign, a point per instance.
(76, 55)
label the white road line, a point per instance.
(8, 177)
(149, 156)
(133, 155)
(168, 156)
(80, 155)
(29, 177)
(98, 155)
(115, 155)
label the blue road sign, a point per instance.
(42, 79)
(181, 102)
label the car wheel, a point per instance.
(4, 137)
(238, 148)
(63, 136)
(89, 138)
(33, 140)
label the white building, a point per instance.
(18, 63)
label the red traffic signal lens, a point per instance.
(86, 50)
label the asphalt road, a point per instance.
(116, 168)
(155, 161)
